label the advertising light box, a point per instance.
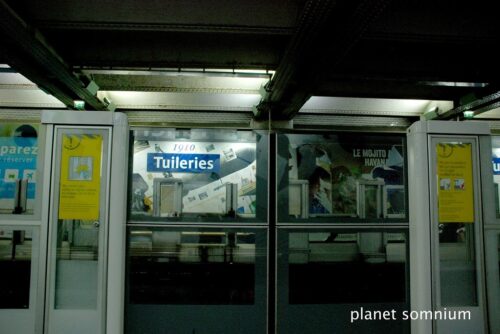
(195, 176)
(18, 160)
(348, 175)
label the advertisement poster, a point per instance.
(18, 157)
(204, 168)
(455, 187)
(80, 177)
(338, 167)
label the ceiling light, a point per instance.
(454, 84)
(206, 72)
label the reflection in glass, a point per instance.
(394, 201)
(15, 268)
(369, 198)
(495, 146)
(191, 267)
(197, 173)
(497, 199)
(341, 268)
(77, 265)
(457, 264)
(347, 175)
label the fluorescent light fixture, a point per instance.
(4, 68)
(454, 84)
(372, 106)
(181, 101)
(245, 73)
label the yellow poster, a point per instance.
(455, 187)
(80, 177)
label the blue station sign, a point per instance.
(496, 166)
(183, 163)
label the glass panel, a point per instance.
(77, 264)
(196, 280)
(495, 145)
(341, 177)
(15, 268)
(18, 163)
(455, 190)
(492, 261)
(186, 267)
(197, 174)
(457, 264)
(79, 215)
(346, 268)
(327, 278)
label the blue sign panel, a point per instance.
(496, 166)
(183, 163)
(17, 162)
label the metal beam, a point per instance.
(313, 49)
(313, 20)
(31, 56)
(191, 28)
(479, 106)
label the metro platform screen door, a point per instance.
(78, 230)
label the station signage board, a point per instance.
(496, 166)
(183, 163)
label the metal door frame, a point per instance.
(433, 140)
(423, 209)
(114, 285)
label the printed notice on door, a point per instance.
(455, 187)
(80, 177)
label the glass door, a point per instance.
(457, 235)
(78, 230)
(492, 244)
(19, 270)
(492, 253)
(342, 233)
(21, 255)
(197, 232)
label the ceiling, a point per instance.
(274, 59)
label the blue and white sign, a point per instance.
(496, 166)
(183, 163)
(17, 162)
